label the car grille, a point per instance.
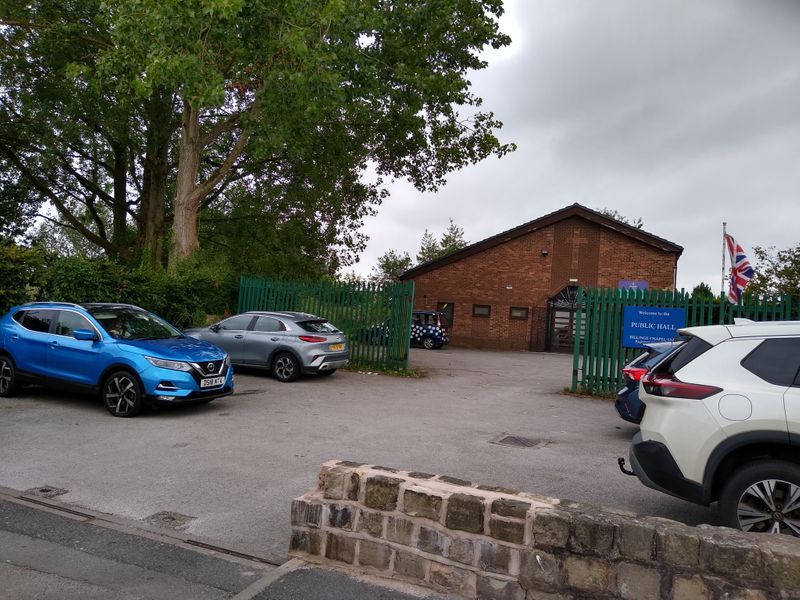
(210, 368)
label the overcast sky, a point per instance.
(685, 113)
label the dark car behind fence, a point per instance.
(375, 317)
(599, 354)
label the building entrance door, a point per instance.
(561, 310)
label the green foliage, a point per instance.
(185, 298)
(618, 216)
(428, 248)
(390, 266)
(702, 291)
(777, 272)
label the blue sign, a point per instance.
(633, 284)
(646, 324)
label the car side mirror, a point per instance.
(84, 335)
(215, 327)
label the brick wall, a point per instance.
(493, 543)
(516, 273)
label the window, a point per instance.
(237, 323)
(69, 321)
(518, 312)
(38, 320)
(775, 360)
(268, 324)
(693, 348)
(481, 310)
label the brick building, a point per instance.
(516, 290)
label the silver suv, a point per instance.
(287, 343)
(723, 424)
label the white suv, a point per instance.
(722, 423)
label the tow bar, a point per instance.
(621, 463)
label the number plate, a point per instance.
(211, 382)
(336, 347)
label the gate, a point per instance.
(561, 311)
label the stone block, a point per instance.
(782, 557)
(341, 516)
(551, 528)
(371, 523)
(491, 588)
(731, 554)
(350, 463)
(678, 545)
(465, 513)
(498, 489)
(635, 582)
(410, 565)
(455, 480)
(381, 492)
(694, 588)
(507, 507)
(420, 504)
(540, 571)
(452, 579)
(432, 541)
(306, 513)
(507, 531)
(340, 548)
(399, 530)
(421, 475)
(497, 558)
(354, 486)
(299, 541)
(374, 554)
(387, 469)
(588, 574)
(335, 481)
(592, 535)
(636, 540)
(462, 551)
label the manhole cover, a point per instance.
(46, 491)
(170, 520)
(517, 441)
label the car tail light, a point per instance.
(669, 386)
(635, 373)
(314, 339)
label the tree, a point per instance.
(777, 271)
(616, 215)
(452, 239)
(702, 291)
(428, 248)
(390, 266)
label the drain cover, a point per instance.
(46, 491)
(170, 520)
(517, 441)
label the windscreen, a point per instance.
(124, 323)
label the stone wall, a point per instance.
(486, 542)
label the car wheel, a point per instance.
(122, 394)
(428, 343)
(285, 367)
(8, 377)
(763, 497)
(328, 373)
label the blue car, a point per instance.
(427, 329)
(628, 405)
(128, 355)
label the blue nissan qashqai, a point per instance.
(127, 354)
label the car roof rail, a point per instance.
(47, 302)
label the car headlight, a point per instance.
(174, 365)
(227, 360)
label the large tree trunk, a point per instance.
(187, 203)
(154, 185)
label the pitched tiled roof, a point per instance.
(575, 210)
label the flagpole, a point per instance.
(722, 289)
(722, 302)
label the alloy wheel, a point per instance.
(284, 368)
(770, 506)
(6, 376)
(122, 395)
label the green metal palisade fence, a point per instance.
(598, 353)
(376, 318)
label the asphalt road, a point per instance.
(228, 470)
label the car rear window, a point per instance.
(317, 327)
(775, 360)
(693, 348)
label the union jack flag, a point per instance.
(741, 271)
